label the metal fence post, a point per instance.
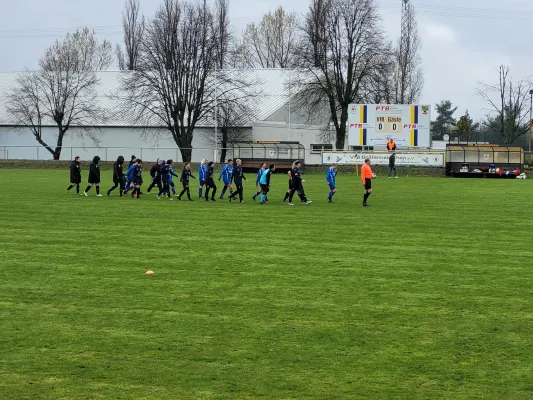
(71, 153)
(106, 154)
(37, 153)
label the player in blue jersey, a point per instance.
(202, 175)
(170, 180)
(226, 175)
(331, 176)
(262, 169)
(264, 181)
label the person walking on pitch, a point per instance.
(210, 182)
(297, 184)
(264, 181)
(186, 175)
(366, 177)
(75, 175)
(155, 173)
(202, 173)
(165, 177)
(225, 175)
(94, 177)
(262, 169)
(237, 178)
(392, 165)
(331, 177)
(118, 176)
(137, 179)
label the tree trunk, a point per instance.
(59, 145)
(341, 130)
(224, 145)
(186, 154)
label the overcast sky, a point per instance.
(464, 41)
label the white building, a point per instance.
(119, 135)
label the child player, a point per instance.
(210, 182)
(118, 176)
(156, 177)
(262, 169)
(137, 179)
(225, 175)
(297, 184)
(289, 190)
(265, 182)
(331, 175)
(94, 177)
(75, 175)
(165, 176)
(170, 180)
(186, 176)
(237, 177)
(202, 174)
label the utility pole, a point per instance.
(404, 47)
(530, 123)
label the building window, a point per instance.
(319, 148)
(360, 148)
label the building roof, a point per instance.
(270, 85)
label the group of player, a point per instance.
(162, 176)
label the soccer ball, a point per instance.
(373, 176)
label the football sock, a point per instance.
(97, 189)
(88, 188)
(263, 198)
(173, 190)
(286, 196)
(200, 190)
(78, 189)
(70, 187)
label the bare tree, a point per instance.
(62, 91)
(133, 25)
(172, 85)
(271, 43)
(508, 101)
(336, 62)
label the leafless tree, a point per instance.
(62, 91)
(508, 101)
(173, 83)
(133, 25)
(338, 57)
(272, 42)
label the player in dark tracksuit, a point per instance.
(155, 173)
(165, 179)
(75, 175)
(94, 177)
(289, 190)
(210, 182)
(118, 176)
(297, 184)
(186, 176)
(137, 179)
(237, 178)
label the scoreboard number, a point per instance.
(389, 124)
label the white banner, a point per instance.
(402, 159)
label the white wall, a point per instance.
(306, 135)
(113, 143)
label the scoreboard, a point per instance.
(375, 124)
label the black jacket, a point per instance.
(154, 171)
(186, 176)
(238, 175)
(94, 171)
(296, 175)
(210, 175)
(392, 161)
(75, 172)
(118, 173)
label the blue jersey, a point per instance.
(259, 175)
(226, 173)
(265, 177)
(171, 173)
(331, 175)
(131, 173)
(202, 172)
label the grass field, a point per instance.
(427, 294)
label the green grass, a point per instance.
(424, 295)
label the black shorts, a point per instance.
(368, 184)
(264, 188)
